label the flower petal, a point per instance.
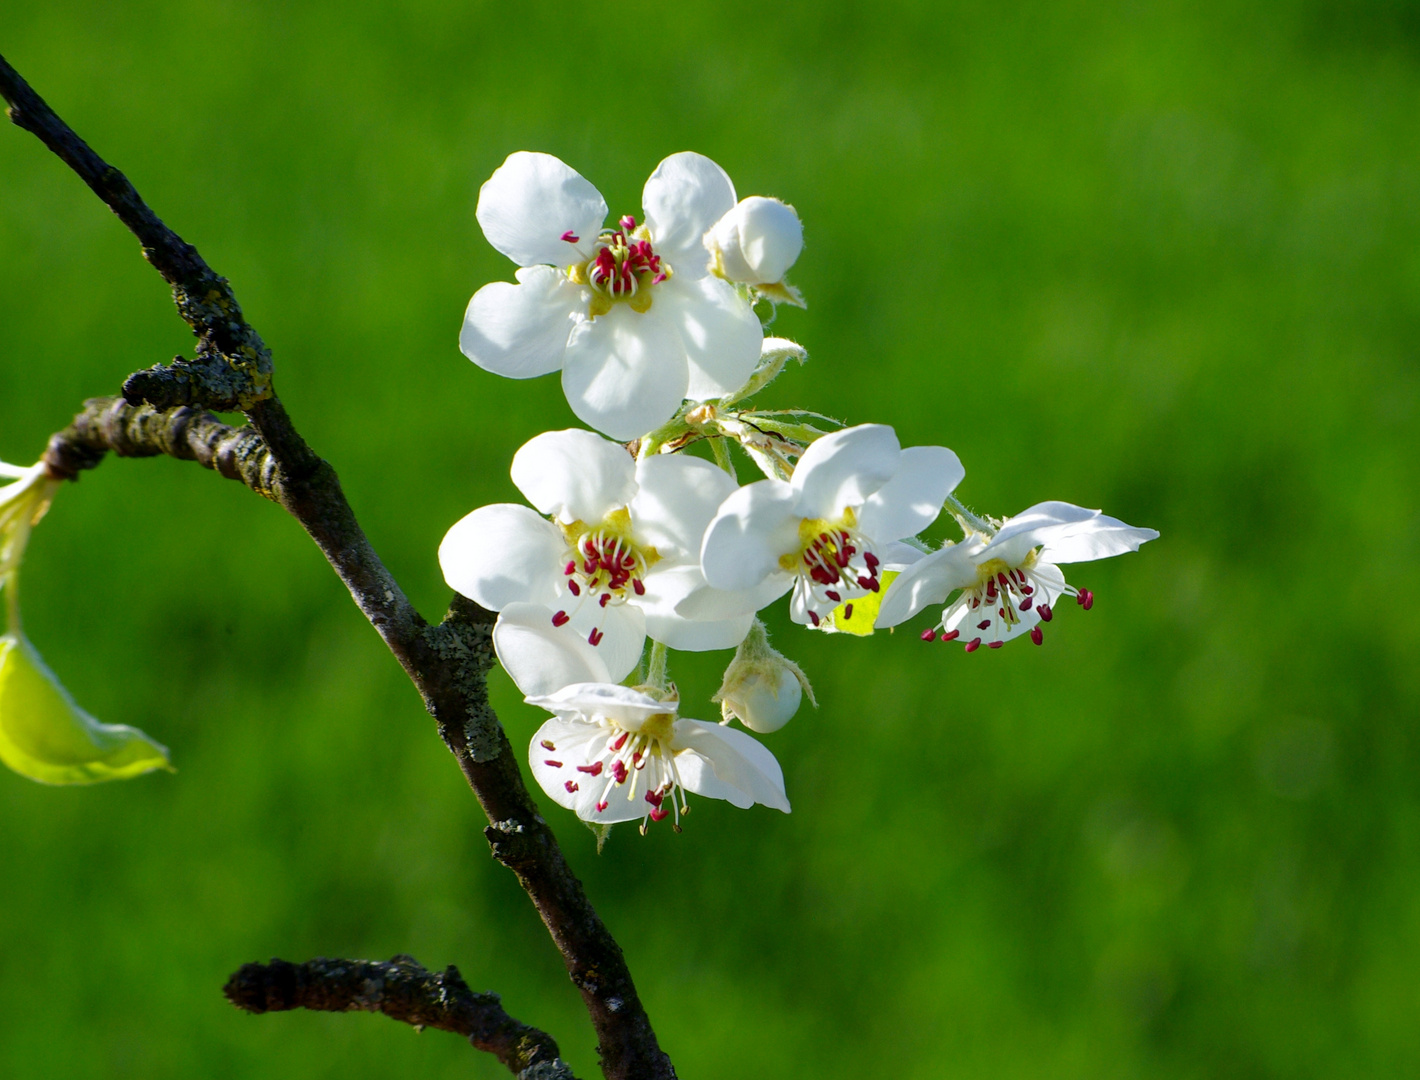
(708, 604)
(574, 475)
(676, 498)
(1033, 527)
(541, 658)
(521, 330)
(756, 525)
(573, 743)
(842, 469)
(930, 580)
(667, 588)
(621, 630)
(531, 202)
(504, 553)
(913, 498)
(684, 197)
(625, 373)
(747, 772)
(720, 332)
(603, 700)
(1098, 538)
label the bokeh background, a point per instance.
(1163, 259)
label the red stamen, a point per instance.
(621, 741)
(618, 770)
(570, 237)
(638, 586)
(561, 618)
(594, 769)
(928, 635)
(595, 637)
(984, 624)
(973, 644)
(627, 222)
(950, 635)
(554, 764)
(813, 617)
(1037, 634)
(547, 744)
(1045, 613)
(847, 611)
(658, 814)
(575, 588)
(654, 798)
(601, 806)
(995, 644)
(570, 785)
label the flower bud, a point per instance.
(756, 242)
(761, 704)
(762, 688)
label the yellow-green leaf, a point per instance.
(45, 736)
(865, 610)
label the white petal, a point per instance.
(710, 604)
(1098, 538)
(930, 580)
(625, 373)
(574, 475)
(720, 332)
(684, 197)
(521, 330)
(676, 498)
(574, 743)
(667, 588)
(622, 628)
(1033, 527)
(540, 657)
(913, 498)
(842, 469)
(898, 556)
(502, 554)
(756, 525)
(603, 700)
(736, 759)
(531, 201)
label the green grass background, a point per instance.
(1159, 258)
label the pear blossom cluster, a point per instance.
(638, 538)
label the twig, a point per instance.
(403, 990)
(447, 663)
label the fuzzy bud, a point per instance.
(762, 688)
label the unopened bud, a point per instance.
(762, 705)
(762, 688)
(756, 242)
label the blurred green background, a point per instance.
(1163, 259)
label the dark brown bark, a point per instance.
(162, 412)
(403, 990)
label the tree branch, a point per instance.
(403, 990)
(447, 663)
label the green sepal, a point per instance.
(45, 736)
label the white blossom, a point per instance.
(1009, 580)
(619, 549)
(613, 753)
(827, 533)
(630, 314)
